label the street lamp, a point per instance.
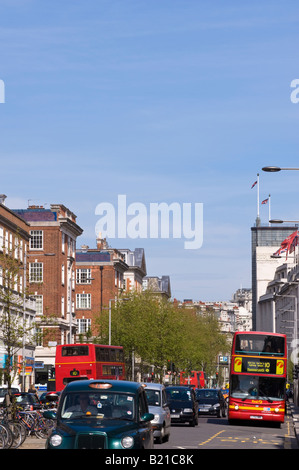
(273, 169)
(279, 221)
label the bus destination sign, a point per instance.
(252, 365)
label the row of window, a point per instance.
(11, 244)
(83, 276)
(37, 242)
(83, 301)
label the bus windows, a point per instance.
(74, 350)
(260, 344)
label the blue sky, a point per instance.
(161, 101)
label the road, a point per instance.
(217, 433)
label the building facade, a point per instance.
(265, 240)
(51, 270)
(99, 281)
(158, 285)
(14, 242)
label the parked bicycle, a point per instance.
(35, 423)
(12, 432)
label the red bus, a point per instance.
(195, 379)
(258, 377)
(88, 361)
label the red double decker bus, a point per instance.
(258, 377)
(195, 379)
(88, 361)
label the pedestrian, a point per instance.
(33, 390)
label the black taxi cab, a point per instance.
(98, 414)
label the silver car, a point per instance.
(157, 404)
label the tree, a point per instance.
(13, 328)
(158, 332)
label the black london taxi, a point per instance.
(98, 414)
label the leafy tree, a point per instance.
(158, 332)
(13, 328)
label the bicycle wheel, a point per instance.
(43, 428)
(17, 433)
(2, 442)
(6, 436)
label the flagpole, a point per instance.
(258, 195)
(269, 209)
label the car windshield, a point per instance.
(181, 395)
(153, 397)
(207, 396)
(23, 399)
(98, 405)
(257, 387)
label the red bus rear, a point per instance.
(258, 377)
(195, 379)
(88, 361)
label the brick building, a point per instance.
(102, 274)
(51, 268)
(14, 240)
(99, 279)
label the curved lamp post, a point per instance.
(273, 169)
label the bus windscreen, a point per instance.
(260, 345)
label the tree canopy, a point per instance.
(158, 332)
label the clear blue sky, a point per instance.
(159, 100)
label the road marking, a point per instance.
(211, 438)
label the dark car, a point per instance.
(211, 401)
(98, 414)
(27, 401)
(49, 399)
(182, 404)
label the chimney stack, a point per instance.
(2, 199)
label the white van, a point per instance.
(3, 392)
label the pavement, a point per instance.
(293, 410)
(32, 442)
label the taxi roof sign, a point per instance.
(100, 385)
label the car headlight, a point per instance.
(156, 419)
(127, 442)
(188, 410)
(217, 405)
(55, 440)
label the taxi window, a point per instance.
(99, 405)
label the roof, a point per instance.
(117, 386)
(179, 387)
(36, 215)
(92, 256)
(152, 386)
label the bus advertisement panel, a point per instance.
(258, 377)
(88, 361)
